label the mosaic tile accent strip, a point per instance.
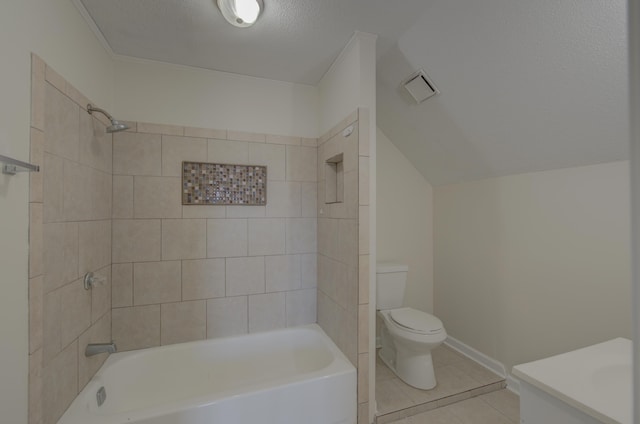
(223, 184)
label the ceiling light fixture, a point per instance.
(241, 13)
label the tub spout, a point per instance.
(97, 348)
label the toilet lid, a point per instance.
(417, 321)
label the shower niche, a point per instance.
(334, 179)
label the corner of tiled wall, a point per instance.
(343, 248)
(69, 235)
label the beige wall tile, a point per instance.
(175, 150)
(51, 344)
(301, 235)
(227, 316)
(363, 413)
(300, 307)
(283, 199)
(202, 211)
(363, 276)
(121, 285)
(246, 136)
(363, 328)
(226, 237)
(75, 311)
(283, 139)
(101, 295)
(328, 237)
(266, 312)
(157, 197)
(38, 92)
(363, 230)
(95, 144)
(183, 322)
(270, 155)
(156, 282)
(94, 245)
(351, 195)
(203, 279)
(55, 79)
(35, 388)
(36, 157)
(245, 276)
(282, 273)
(100, 332)
(205, 133)
(145, 127)
(74, 94)
(36, 309)
(348, 241)
(309, 142)
(136, 328)
(363, 378)
(60, 254)
(184, 239)
(363, 181)
(136, 240)
(87, 193)
(53, 189)
(62, 121)
(60, 384)
(266, 236)
(364, 137)
(36, 240)
(246, 211)
(301, 163)
(308, 271)
(122, 197)
(309, 199)
(137, 154)
(228, 151)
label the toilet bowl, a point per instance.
(407, 335)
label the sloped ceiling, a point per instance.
(525, 85)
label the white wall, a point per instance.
(54, 30)
(170, 94)
(405, 221)
(531, 265)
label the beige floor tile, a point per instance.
(437, 416)
(444, 355)
(451, 380)
(476, 411)
(506, 402)
(382, 371)
(390, 397)
(476, 371)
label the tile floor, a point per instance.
(460, 380)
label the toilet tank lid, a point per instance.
(386, 267)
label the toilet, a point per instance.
(407, 335)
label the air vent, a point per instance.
(420, 86)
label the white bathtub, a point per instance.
(586, 386)
(287, 376)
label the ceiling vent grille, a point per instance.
(420, 86)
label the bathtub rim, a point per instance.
(529, 373)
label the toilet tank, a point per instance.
(391, 279)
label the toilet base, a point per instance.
(415, 370)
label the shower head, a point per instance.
(115, 124)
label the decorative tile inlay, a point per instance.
(223, 184)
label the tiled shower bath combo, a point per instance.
(112, 204)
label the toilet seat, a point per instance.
(416, 322)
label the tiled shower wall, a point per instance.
(69, 235)
(343, 247)
(183, 273)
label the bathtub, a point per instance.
(290, 376)
(586, 386)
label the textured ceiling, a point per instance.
(294, 40)
(525, 85)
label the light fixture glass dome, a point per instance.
(241, 13)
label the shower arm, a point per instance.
(91, 109)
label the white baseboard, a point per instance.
(513, 384)
(477, 356)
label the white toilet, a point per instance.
(407, 335)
